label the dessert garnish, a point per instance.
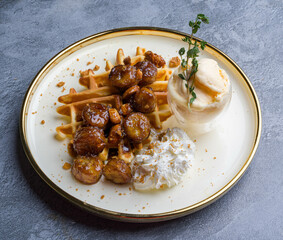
(191, 56)
(164, 162)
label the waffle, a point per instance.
(99, 90)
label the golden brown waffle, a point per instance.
(99, 90)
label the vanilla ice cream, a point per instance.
(213, 90)
(164, 162)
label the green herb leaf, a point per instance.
(203, 18)
(192, 53)
(181, 76)
(203, 44)
(193, 71)
(195, 62)
(182, 51)
(186, 39)
(192, 100)
(195, 29)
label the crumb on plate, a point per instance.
(96, 68)
(60, 84)
(66, 166)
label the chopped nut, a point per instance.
(60, 84)
(156, 59)
(151, 146)
(115, 135)
(127, 60)
(139, 74)
(96, 68)
(66, 166)
(174, 62)
(114, 116)
(126, 109)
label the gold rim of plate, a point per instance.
(125, 32)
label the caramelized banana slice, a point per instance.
(129, 94)
(87, 170)
(124, 76)
(145, 100)
(137, 127)
(117, 171)
(89, 141)
(95, 114)
(149, 72)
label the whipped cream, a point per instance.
(164, 162)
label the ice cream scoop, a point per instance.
(213, 91)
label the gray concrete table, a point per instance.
(250, 32)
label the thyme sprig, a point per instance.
(192, 53)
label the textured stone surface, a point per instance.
(250, 32)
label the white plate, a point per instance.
(221, 158)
